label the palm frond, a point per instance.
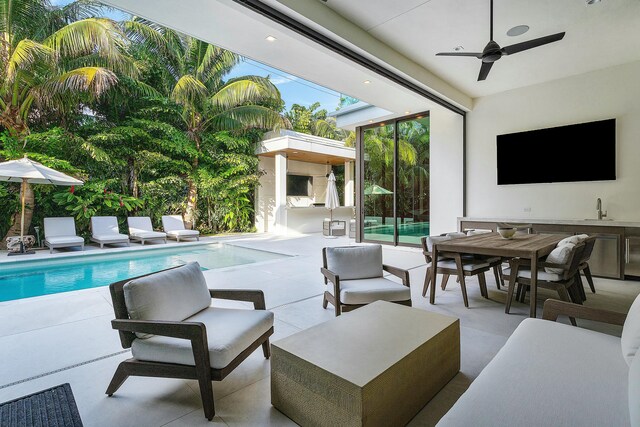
(245, 90)
(189, 91)
(26, 54)
(86, 37)
(216, 62)
(92, 81)
(247, 117)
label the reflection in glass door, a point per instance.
(396, 181)
(412, 211)
(378, 151)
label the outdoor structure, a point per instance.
(290, 198)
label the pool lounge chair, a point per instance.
(174, 227)
(140, 228)
(104, 230)
(61, 233)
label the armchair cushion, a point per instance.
(630, 338)
(365, 291)
(542, 274)
(229, 333)
(634, 391)
(560, 255)
(578, 238)
(168, 295)
(467, 265)
(355, 262)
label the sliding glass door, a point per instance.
(395, 181)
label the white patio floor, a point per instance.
(49, 340)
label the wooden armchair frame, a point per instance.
(339, 306)
(567, 286)
(192, 331)
(553, 309)
(459, 271)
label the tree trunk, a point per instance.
(14, 230)
(192, 197)
(133, 178)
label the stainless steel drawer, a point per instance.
(605, 258)
(632, 256)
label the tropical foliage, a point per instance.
(144, 114)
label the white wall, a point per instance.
(603, 94)
(446, 171)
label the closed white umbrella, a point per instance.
(29, 172)
(331, 200)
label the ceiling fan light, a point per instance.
(518, 30)
(590, 2)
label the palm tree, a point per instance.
(315, 122)
(194, 73)
(52, 62)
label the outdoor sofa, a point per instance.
(553, 374)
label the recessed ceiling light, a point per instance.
(593, 1)
(366, 82)
(407, 112)
(270, 38)
(370, 121)
(458, 48)
(518, 30)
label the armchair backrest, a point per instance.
(101, 225)
(354, 262)
(59, 227)
(173, 294)
(574, 261)
(589, 243)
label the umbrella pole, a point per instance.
(23, 190)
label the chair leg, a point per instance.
(510, 291)
(119, 377)
(587, 274)
(325, 302)
(483, 285)
(266, 349)
(496, 273)
(579, 285)
(463, 287)
(564, 296)
(427, 281)
(445, 279)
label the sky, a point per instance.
(294, 90)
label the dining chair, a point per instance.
(495, 262)
(560, 277)
(589, 243)
(453, 264)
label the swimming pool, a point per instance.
(44, 277)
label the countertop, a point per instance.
(590, 222)
(315, 207)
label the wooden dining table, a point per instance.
(526, 246)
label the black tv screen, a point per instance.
(299, 185)
(580, 152)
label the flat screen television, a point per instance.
(579, 152)
(299, 185)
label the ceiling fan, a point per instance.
(492, 51)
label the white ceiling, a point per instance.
(597, 36)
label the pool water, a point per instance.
(44, 277)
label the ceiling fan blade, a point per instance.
(484, 70)
(530, 44)
(474, 54)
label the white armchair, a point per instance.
(356, 278)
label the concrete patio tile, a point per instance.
(140, 402)
(40, 312)
(44, 350)
(305, 314)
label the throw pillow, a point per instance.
(560, 255)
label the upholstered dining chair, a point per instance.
(589, 243)
(455, 265)
(173, 332)
(354, 276)
(560, 277)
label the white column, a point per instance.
(349, 183)
(281, 194)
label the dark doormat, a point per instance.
(53, 407)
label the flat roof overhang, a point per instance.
(307, 148)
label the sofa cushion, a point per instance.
(355, 262)
(634, 392)
(548, 374)
(560, 255)
(168, 295)
(229, 333)
(630, 338)
(365, 291)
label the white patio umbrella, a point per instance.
(29, 172)
(331, 200)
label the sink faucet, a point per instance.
(599, 209)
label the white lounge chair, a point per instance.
(174, 227)
(140, 228)
(105, 231)
(61, 233)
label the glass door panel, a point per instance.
(412, 208)
(378, 152)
